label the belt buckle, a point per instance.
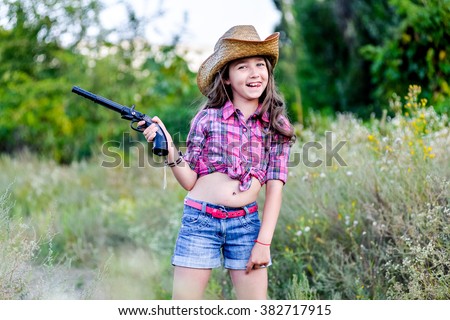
(222, 209)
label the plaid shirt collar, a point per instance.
(228, 110)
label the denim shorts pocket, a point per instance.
(251, 221)
(193, 219)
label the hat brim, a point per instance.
(233, 49)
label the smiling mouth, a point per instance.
(254, 85)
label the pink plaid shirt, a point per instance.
(220, 140)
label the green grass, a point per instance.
(376, 228)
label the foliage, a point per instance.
(352, 55)
(37, 109)
(28, 269)
(321, 51)
(345, 226)
(35, 73)
(417, 52)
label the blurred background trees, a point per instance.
(350, 56)
(336, 56)
(46, 47)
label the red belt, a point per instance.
(220, 213)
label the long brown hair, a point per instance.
(271, 101)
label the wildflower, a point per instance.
(364, 233)
(349, 173)
(371, 137)
(322, 175)
(298, 233)
(307, 229)
(318, 239)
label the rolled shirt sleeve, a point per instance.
(280, 148)
(195, 141)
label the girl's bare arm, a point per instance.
(261, 251)
(182, 172)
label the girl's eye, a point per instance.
(261, 64)
(242, 67)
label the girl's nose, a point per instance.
(254, 73)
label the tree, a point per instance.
(35, 73)
(351, 55)
(39, 68)
(417, 52)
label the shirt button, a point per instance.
(244, 129)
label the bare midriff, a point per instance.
(219, 188)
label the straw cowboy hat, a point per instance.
(238, 42)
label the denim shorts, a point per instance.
(206, 242)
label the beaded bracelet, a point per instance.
(177, 162)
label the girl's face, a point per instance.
(248, 79)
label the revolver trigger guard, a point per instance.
(136, 128)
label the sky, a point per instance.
(207, 21)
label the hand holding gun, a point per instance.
(141, 120)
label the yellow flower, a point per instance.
(423, 102)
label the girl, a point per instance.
(238, 141)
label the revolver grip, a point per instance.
(160, 143)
